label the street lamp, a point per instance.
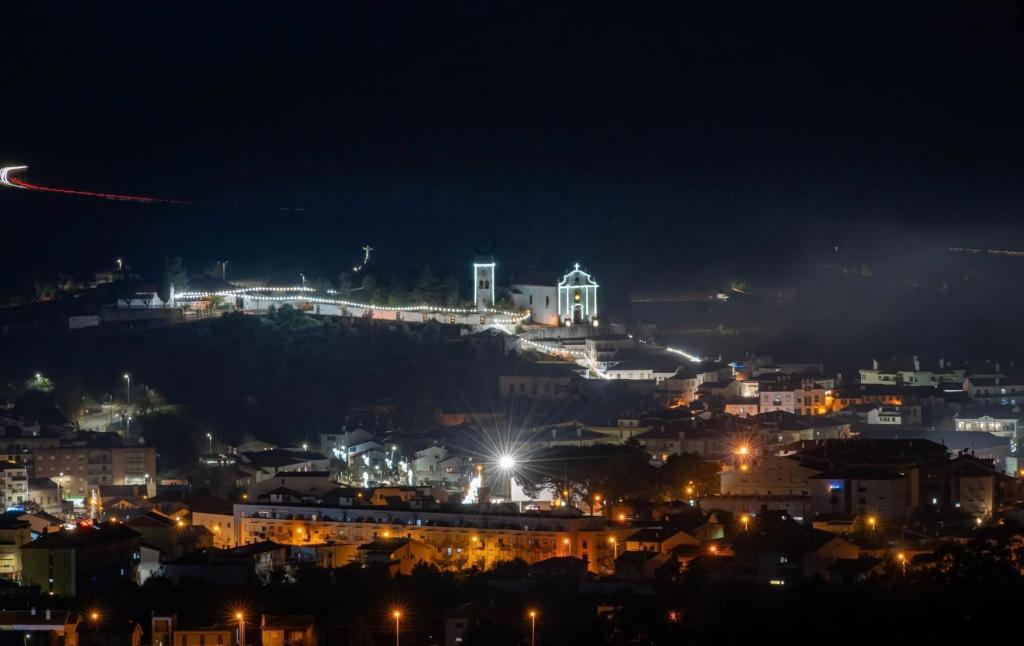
(902, 558)
(872, 521)
(615, 546)
(94, 616)
(209, 436)
(397, 614)
(745, 519)
(565, 542)
(533, 627)
(128, 389)
(241, 628)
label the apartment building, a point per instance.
(81, 463)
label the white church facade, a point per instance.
(577, 298)
(571, 300)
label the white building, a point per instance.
(436, 464)
(800, 399)
(995, 389)
(771, 400)
(483, 283)
(908, 372)
(141, 301)
(885, 415)
(865, 492)
(1000, 421)
(767, 475)
(577, 298)
(336, 444)
(641, 370)
(13, 484)
(537, 293)
(606, 347)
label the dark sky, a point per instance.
(625, 135)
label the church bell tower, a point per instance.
(483, 282)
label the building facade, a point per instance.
(577, 298)
(82, 464)
(483, 283)
(13, 485)
(458, 538)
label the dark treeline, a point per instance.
(285, 377)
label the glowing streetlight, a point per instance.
(94, 617)
(745, 519)
(743, 450)
(397, 614)
(872, 521)
(128, 389)
(506, 462)
(209, 436)
(533, 627)
(241, 627)
(902, 558)
(615, 546)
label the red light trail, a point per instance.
(7, 179)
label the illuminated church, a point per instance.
(577, 298)
(569, 301)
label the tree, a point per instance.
(688, 474)
(369, 284)
(517, 568)
(450, 291)
(40, 383)
(606, 470)
(427, 290)
(345, 284)
(320, 283)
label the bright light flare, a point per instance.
(507, 462)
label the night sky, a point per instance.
(628, 136)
